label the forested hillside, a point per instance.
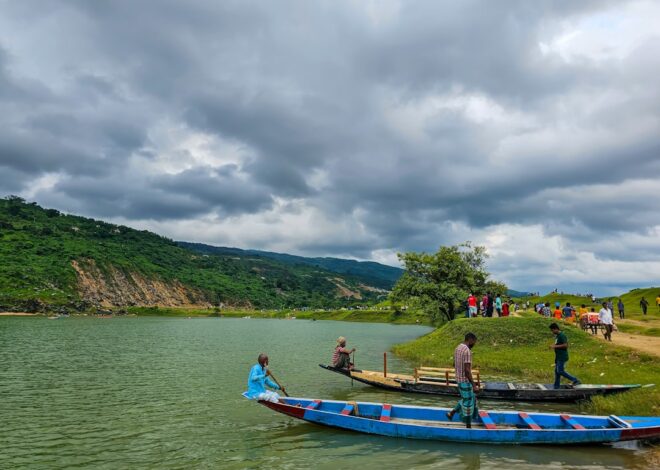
(50, 258)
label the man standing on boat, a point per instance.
(467, 404)
(561, 356)
(259, 379)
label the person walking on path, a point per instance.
(657, 302)
(489, 307)
(568, 312)
(545, 310)
(620, 307)
(498, 305)
(561, 357)
(605, 318)
(467, 404)
(644, 304)
(506, 308)
(472, 306)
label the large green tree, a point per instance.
(439, 282)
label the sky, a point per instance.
(356, 129)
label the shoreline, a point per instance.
(18, 314)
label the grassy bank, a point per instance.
(518, 347)
(369, 316)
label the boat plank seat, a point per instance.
(542, 387)
(386, 413)
(487, 420)
(313, 405)
(571, 422)
(618, 422)
(448, 374)
(528, 421)
(511, 386)
(348, 409)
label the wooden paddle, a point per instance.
(353, 367)
(278, 384)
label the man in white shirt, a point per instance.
(605, 317)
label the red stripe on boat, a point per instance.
(385, 413)
(569, 419)
(486, 419)
(295, 411)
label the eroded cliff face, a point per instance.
(112, 287)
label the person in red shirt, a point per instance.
(505, 308)
(472, 306)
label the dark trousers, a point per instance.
(621, 314)
(561, 372)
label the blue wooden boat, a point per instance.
(494, 427)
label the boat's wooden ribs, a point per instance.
(348, 409)
(314, 405)
(386, 413)
(529, 421)
(571, 422)
(486, 419)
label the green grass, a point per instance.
(518, 347)
(638, 330)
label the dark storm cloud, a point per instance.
(406, 118)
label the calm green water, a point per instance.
(166, 393)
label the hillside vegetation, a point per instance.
(52, 259)
(518, 348)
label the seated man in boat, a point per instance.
(259, 379)
(467, 404)
(561, 356)
(341, 356)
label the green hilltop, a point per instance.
(48, 258)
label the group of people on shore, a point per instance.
(489, 306)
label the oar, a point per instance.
(278, 384)
(353, 367)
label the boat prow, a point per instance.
(494, 427)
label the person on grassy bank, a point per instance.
(341, 357)
(467, 404)
(561, 356)
(621, 307)
(644, 304)
(259, 379)
(605, 318)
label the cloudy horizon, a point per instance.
(349, 128)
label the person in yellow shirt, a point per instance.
(581, 317)
(657, 302)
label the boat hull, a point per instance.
(489, 390)
(594, 431)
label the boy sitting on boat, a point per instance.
(341, 357)
(259, 379)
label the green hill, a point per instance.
(52, 259)
(376, 274)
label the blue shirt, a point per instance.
(257, 381)
(498, 303)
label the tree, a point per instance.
(439, 282)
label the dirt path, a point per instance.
(647, 344)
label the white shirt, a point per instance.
(605, 316)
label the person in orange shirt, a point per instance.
(557, 313)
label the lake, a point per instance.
(166, 393)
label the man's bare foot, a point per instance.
(450, 415)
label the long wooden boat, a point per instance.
(437, 381)
(495, 427)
